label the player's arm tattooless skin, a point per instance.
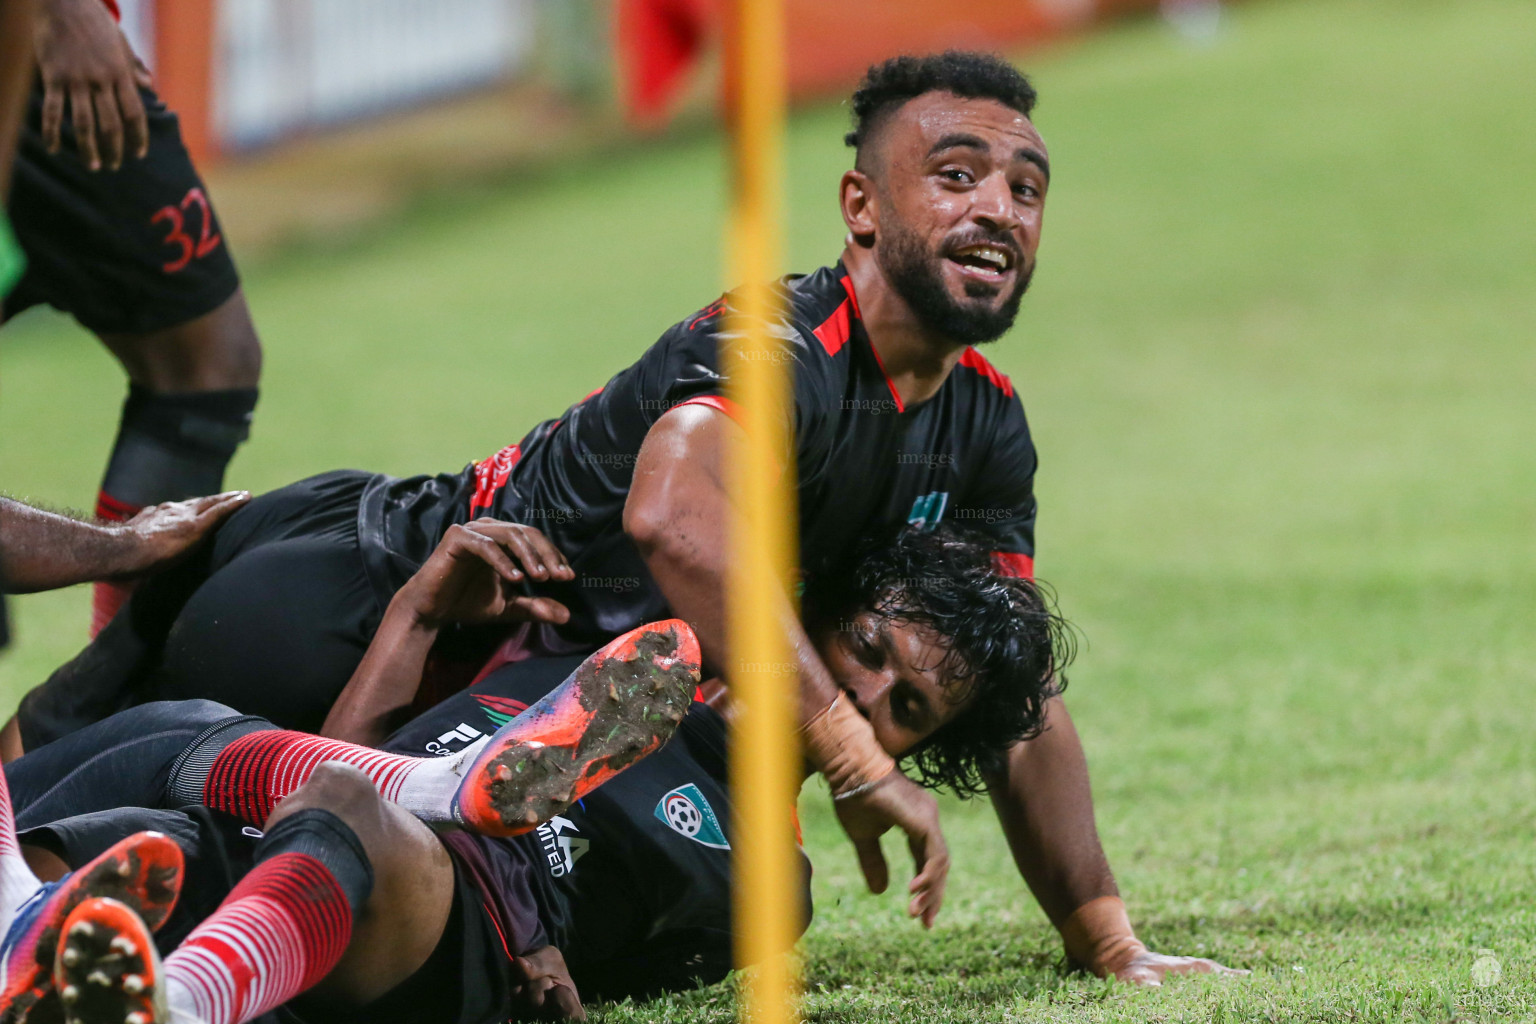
(44, 550)
(678, 515)
(86, 65)
(476, 574)
(1045, 806)
(15, 79)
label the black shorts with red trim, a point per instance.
(129, 251)
(467, 979)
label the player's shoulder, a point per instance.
(816, 307)
(988, 391)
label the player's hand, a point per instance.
(1149, 968)
(545, 988)
(898, 802)
(480, 571)
(86, 64)
(161, 534)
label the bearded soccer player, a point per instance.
(629, 887)
(118, 232)
(897, 419)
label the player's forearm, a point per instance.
(384, 685)
(15, 78)
(678, 515)
(1045, 806)
(44, 550)
(700, 600)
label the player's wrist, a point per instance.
(117, 549)
(414, 611)
(840, 744)
(1098, 936)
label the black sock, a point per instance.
(171, 447)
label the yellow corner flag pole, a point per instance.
(765, 751)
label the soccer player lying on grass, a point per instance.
(631, 883)
(897, 419)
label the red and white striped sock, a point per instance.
(248, 777)
(275, 935)
(17, 882)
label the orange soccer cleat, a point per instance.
(107, 967)
(143, 871)
(619, 705)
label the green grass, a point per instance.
(1279, 361)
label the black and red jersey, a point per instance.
(866, 462)
(633, 882)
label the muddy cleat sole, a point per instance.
(107, 967)
(619, 705)
(143, 871)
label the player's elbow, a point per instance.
(648, 524)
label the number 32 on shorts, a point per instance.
(175, 217)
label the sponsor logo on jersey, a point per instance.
(454, 740)
(928, 510)
(687, 813)
(561, 844)
(461, 733)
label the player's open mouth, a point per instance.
(990, 262)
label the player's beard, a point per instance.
(918, 277)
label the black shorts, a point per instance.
(466, 980)
(271, 618)
(129, 251)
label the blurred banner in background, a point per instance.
(244, 74)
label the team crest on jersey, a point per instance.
(687, 813)
(928, 510)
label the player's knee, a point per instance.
(341, 789)
(193, 712)
(233, 349)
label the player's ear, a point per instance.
(857, 197)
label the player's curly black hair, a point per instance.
(1006, 647)
(891, 83)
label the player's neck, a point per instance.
(916, 361)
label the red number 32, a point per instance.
(207, 241)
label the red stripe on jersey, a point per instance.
(112, 6)
(900, 405)
(490, 476)
(978, 362)
(853, 296)
(719, 403)
(707, 312)
(834, 331)
(1010, 563)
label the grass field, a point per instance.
(1280, 363)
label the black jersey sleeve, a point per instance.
(1001, 501)
(700, 350)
